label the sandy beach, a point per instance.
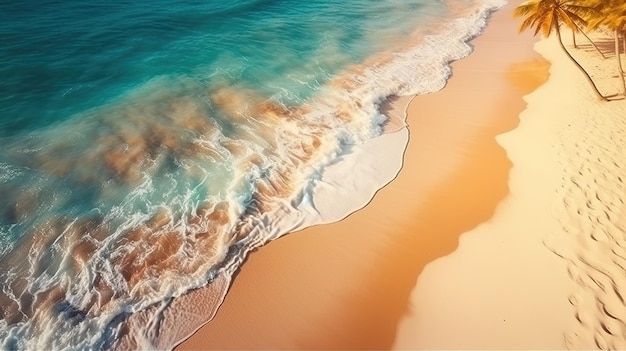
(321, 175)
(567, 198)
(352, 284)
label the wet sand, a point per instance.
(347, 285)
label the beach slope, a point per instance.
(547, 271)
(348, 285)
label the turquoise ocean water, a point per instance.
(143, 142)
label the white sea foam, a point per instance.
(348, 179)
(330, 190)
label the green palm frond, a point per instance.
(544, 16)
(609, 14)
(569, 18)
(535, 14)
(549, 23)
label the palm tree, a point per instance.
(588, 39)
(612, 16)
(547, 16)
(587, 7)
(617, 22)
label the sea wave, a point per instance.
(141, 201)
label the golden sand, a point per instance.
(347, 285)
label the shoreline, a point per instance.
(319, 287)
(546, 272)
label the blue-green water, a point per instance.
(60, 58)
(145, 144)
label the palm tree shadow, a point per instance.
(615, 97)
(605, 46)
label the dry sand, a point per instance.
(548, 271)
(348, 285)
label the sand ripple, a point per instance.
(593, 241)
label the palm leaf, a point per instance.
(546, 15)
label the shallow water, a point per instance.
(144, 145)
